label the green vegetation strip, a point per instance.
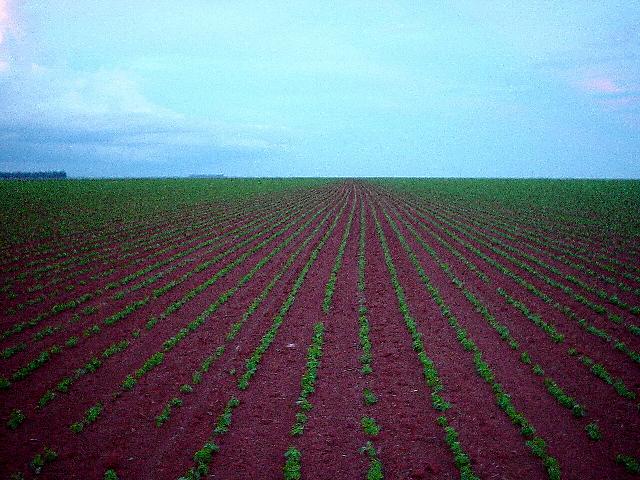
(252, 362)
(600, 293)
(145, 242)
(203, 457)
(476, 234)
(503, 399)
(567, 311)
(308, 380)
(333, 277)
(462, 460)
(216, 242)
(552, 387)
(45, 356)
(375, 470)
(594, 306)
(149, 242)
(130, 381)
(54, 209)
(236, 326)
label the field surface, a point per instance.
(320, 329)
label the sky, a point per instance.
(307, 88)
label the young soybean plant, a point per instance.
(593, 432)
(40, 460)
(309, 377)
(375, 465)
(15, 419)
(110, 475)
(292, 468)
(369, 397)
(369, 426)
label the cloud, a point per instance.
(622, 102)
(8, 31)
(611, 86)
(106, 112)
(101, 123)
(106, 92)
(4, 18)
(600, 85)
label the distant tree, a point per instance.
(33, 175)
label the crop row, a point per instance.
(158, 358)
(592, 430)
(559, 233)
(72, 304)
(475, 236)
(376, 469)
(120, 232)
(169, 344)
(293, 456)
(247, 221)
(45, 355)
(570, 261)
(159, 252)
(550, 245)
(236, 327)
(601, 294)
(155, 359)
(506, 375)
(503, 398)
(587, 327)
(308, 380)
(253, 361)
(106, 266)
(92, 253)
(503, 332)
(432, 378)
(530, 288)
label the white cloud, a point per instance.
(4, 18)
(60, 93)
(4, 25)
(108, 109)
(8, 28)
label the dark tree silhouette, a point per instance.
(32, 175)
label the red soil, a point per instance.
(148, 254)
(410, 445)
(154, 390)
(42, 379)
(108, 306)
(333, 434)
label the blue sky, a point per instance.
(472, 89)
